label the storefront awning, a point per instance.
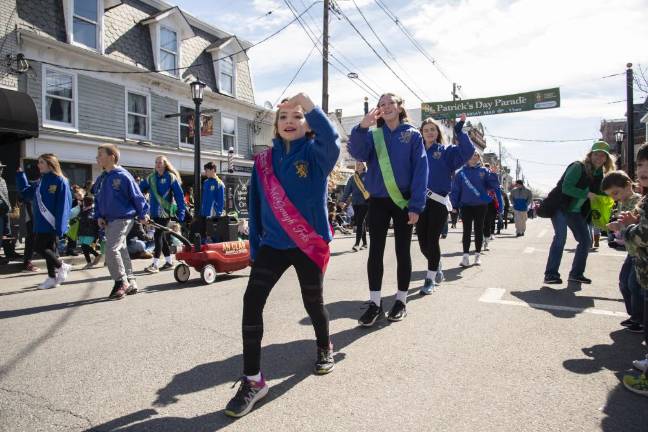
(18, 115)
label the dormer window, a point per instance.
(168, 49)
(226, 53)
(85, 27)
(226, 78)
(168, 28)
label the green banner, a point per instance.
(540, 99)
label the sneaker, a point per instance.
(96, 260)
(87, 266)
(364, 246)
(444, 236)
(248, 394)
(552, 280)
(637, 385)
(371, 315)
(478, 258)
(580, 279)
(635, 328)
(398, 312)
(132, 287)
(491, 238)
(30, 268)
(167, 266)
(465, 261)
(518, 234)
(627, 322)
(486, 245)
(50, 282)
(325, 363)
(62, 273)
(428, 287)
(119, 290)
(439, 277)
(152, 269)
(355, 248)
(642, 365)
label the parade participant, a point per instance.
(443, 161)
(580, 182)
(88, 231)
(507, 207)
(396, 179)
(118, 200)
(213, 197)
(522, 198)
(355, 188)
(51, 204)
(288, 227)
(166, 202)
(470, 193)
(491, 216)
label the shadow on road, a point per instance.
(624, 410)
(451, 274)
(616, 356)
(557, 297)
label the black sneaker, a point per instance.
(166, 266)
(248, 394)
(552, 280)
(627, 322)
(119, 290)
(371, 315)
(635, 328)
(325, 362)
(580, 279)
(398, 312)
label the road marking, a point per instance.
(528, 250)
(494, 295)
(542, 233)
(591, 253)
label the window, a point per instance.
(137, 112)
(59, 94)
(85, 23)
(226, 79)
(168, 50)
(186, 125)
(229, 134)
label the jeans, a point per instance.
(633, 295)
(578, 226)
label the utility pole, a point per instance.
(454, 91)
(366, 105)
(630, 120)
(325, 55)
(499, 143)
(517, 169)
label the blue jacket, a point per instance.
(213, 198)
(482, 180)
(352, 189)
(56, 196)
(408, 159)
(303, 173)
(168, 187)
(117, 196)
(444, 161)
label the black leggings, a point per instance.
(87, 251)
(428, 229)
(45, 245)
(268, 267)
(161, 240)
(470, 214)
(360, 214)
(381, 211)
(489, 220)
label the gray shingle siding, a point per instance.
(243, 137)
(101, 107)
(199, 62)
(46, 16)
(7, 41)
(244, 82)
(126, 40)
(164, 130)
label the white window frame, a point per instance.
(220, 73)
(160, 49)
(73, 127)
(68, 11)
(148, 115)
(183, 144)
(222, 130)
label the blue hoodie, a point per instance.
(482, 180)
(57, 197)
(117, 196)
(168, 187)
(303, 173)
(352, 189)
(213, 198)
(408, 159)
(444, 161)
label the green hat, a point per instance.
(601, 146)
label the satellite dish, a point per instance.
(267, 105)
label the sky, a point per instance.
(488, 47)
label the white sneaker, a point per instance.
(485, 244)
(50, 282)
(465, 261)
(492, 237)
(62, 273)
(642, 365)
(477, 258)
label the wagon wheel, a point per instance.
(208, 274)
(181, 273)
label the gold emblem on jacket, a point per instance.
(302, 169)
(51, 188)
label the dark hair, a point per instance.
(309, 135)
(402, 113)
(88, 201)
(519, 182)
(210, 166)
(615, 179)
(642, 154)
(441, 138)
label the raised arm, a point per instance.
(361, 145)
(458, 155)
(25, 189)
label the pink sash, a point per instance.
(292, 222)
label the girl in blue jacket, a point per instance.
(396, 179)
(305, 150)
(470, 193)
(443, 161)
(167, 201)
(51, 200)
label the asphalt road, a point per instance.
(492, 350)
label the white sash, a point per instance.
(443, 200)
(47, 215)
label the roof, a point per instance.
(185, 27)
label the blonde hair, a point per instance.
(170, 168)
(402, 112)
(52, 161)
(608, 166)
(441, 138)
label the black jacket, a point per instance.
(87, 223)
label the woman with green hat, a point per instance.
(580, 182)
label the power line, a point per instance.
(541, 140)
(310, 53)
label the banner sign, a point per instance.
(539, 99)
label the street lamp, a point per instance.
(618, 137)
(197, 90)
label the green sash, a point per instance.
(169, 208)
(386, 169)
